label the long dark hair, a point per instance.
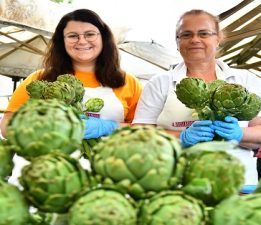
(107, 68)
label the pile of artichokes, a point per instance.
(67, 88)
(139, 175)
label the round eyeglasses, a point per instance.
(200, 34)
(88, 36)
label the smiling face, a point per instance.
(82, 51)
(198, 48)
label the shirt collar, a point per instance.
(222, 71)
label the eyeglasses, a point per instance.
(88, 36)
(202, 34)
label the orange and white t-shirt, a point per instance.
(119, 103)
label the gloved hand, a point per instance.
(198, 131)
(96, 127)
(228, 129)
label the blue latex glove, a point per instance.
(228, 129)
(96, 127)
(199, 131)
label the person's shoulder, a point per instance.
(35, 75)
(241, 72)
(229, 71)
(130, 77)
(161, 80)
(243, 75)
(162, 77)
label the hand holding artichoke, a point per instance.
(228, 129)
(96, 127)
(198, 131)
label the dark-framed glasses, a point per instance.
(75, 37)
(200, 34)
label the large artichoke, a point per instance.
(139, 160)
(6, 162)
(210, 173)
(53, 182)
(75, 83)
(173, 207)
(218, 99)
(13, 208)
(237, 210)
(192, 92)
(36, 88)
(106, 207)
(41, 126)
(59, 90)
(235, 100)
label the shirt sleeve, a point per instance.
(129, 95)
(136, 89)
(152, 100)
(20, 95)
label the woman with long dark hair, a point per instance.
(84, 45)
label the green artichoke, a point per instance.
(53, 182)
(6, 162)
(217, 99)
(13, 208)
(106, 207)
(67, 88)
(94, 105)
(59, 90)
(36, 88)
(139, 160)
(210, 173)
(172, 207)
(238, 210)
(75, 83)
(193, 92)
(213, 85)
(41, 126)
(235, 100)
